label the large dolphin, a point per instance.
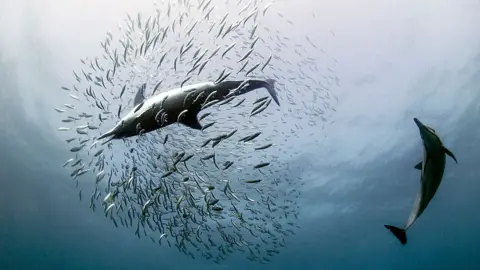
(181, 105)
(432, 168)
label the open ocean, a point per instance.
(393, 60)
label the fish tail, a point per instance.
(271, 90)
(400, 233)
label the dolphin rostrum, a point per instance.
(181, 105)
(432, 168)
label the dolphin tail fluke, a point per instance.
(271, 90)
(400, 233)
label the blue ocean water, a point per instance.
(397, 60)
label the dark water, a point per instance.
(44, 226)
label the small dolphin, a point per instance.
(181, 105)
(432, 168)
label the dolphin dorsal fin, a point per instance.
(140, 96)
(418, 166)
(448, 152)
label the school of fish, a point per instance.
(223, 185)
(212, 192)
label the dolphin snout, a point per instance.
(419, 124)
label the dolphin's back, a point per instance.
(177, 95)
(202, 85)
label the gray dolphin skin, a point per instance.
(181, 105)
(432, 168)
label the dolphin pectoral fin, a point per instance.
(418, 166)
(448, 152)
(400, 233)
(190, 120)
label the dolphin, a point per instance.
(181, 105)
(432, 167)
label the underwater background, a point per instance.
(396, 60)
